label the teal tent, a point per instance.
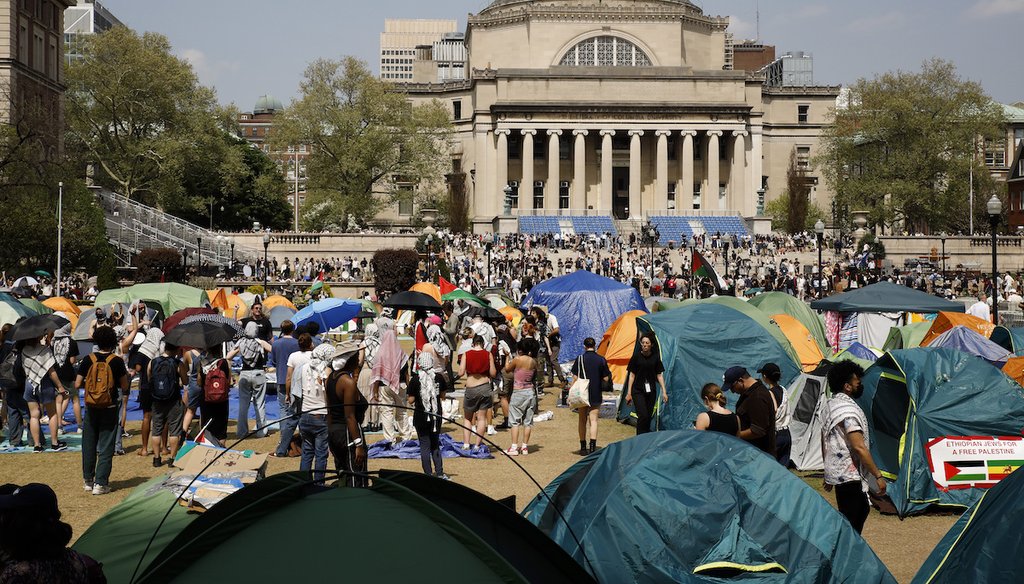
(690, 506)
(11, 310)
(886, 297)
(773, 303)
(1011, 339)
(171, 297)
(906, 337)
(698, 342)
(759, 316)
(983, 546)
(921, 401)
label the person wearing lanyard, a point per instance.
(770, 376)
(646, 373)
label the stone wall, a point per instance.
(323, 245)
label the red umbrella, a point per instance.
(176, 318)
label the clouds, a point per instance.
(995, 8)
(206, 70)
(877, 22)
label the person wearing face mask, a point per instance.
(846, 447)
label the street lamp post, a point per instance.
(942, 238)
(726, 258)
(488, 247)
(199, 256)
(995, 209)
(231, 266)
(266, 263)
(819, 229)
(430, 248)
(60, 230)
(184, 264)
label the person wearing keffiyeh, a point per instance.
(252, 380)
(313, 421)
(42, 385)
(371, 343)
(65, 354)
(426, 392)
(385, 380)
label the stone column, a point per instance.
(635, 173)
(579, 170)
(686, 160)
(526, 185)
(501, 170)
(739, 194)
(607, 188)
(711, 200)
(661, 182)
(756, 164)
(551, 189)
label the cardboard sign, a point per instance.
(195, 460)
(979, 462)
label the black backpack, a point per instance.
(7, 378)
(165, 383)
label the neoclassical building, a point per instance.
(621, 108)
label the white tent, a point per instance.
(807, 401)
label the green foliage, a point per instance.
(394, 270)
(158, 264)
(256, 289)
(877, 248)
(436, 245)
(905, 146)
(799, 189)
(443, 269)
(368, 143)
(778, 210)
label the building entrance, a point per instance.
(620, 193)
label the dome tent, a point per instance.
(782, 303)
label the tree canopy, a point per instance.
(905, 145)
(369, 145)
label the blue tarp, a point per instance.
(410, 450)
(967, 340)
(585, 305)
(861, 352)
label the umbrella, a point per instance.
(200, 334)
(279, 314)
(216, 319)
(44, 274)
(412, 301)
(38, 326)
(176, 318)
(487, 313)
(460, 294)
(26, 281)
(329, 313)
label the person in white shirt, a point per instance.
(980, 308)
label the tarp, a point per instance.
(886, 297)
(803, 342)
(907, 336)
(698, 343)
(983, 546)
(917, 401)
(1011, 339)
(968, 340)
(171, 296)
(585, 305)
(782, 303)
(691, 506)
(618, 343)
(945, 321)
(755, 313)
(429, 289)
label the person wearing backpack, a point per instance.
(215, 380)
(104, 376)
(14, 393)
(167, 375)
(252, 381)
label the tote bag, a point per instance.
(579, 392)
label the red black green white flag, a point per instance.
(702, 268)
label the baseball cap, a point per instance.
(734, 374)
(37, 497)
(769, 368)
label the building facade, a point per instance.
(622, 108)
(399, 41)
(87, 17)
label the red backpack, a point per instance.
(216, 384)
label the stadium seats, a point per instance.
(580, 225)
(674, 228)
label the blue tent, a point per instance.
(967, 340)
(585, 305)
(690, 506)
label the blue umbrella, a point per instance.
(329, 313)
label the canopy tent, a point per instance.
(917, 402)
(907, 336)
(585, 305)
(699, 507)
(803, 342)
(11, 311)
(1011, 339)
(36, 306)
(807, 397)
(61, 304)
(945, 321)
(618, 344)
(782, 303)
(968, 340)
(886, 297)
(274, 300)
(760, 316)
(474, 535)
(218, 298)
(697, 343)
(429, 289)
(171, 296)
(983, 546)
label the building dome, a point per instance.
(498, 4)
(267, 104)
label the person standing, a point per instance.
(65, 353)
(426, 393)
(717, 418)
(104, 376)
(846, 446)
(215, 380)
(313, 422)
(167, 375)
(477, 365)
(981, 308)
(41, 390)
(770, 376)
(345, 410)
(280, 351)
(388, 364)
(646, 375)
(521, 405)
(266, 330)
(554, 335)
(252, 381)
(756, 409)
(595, 368)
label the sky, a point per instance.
(245, 49)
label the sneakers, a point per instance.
(502, 426)
(491, 431)
(125, 434)
(59, 446)
(39, 448)
(100, 489)
(157, 463)
(119, 452)
(87, 486)
(465, 446)
(444, 477)
(512, 450)
(524, 450)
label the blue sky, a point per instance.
(247, 48)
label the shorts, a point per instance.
(505, 389)
(195, 397)
(47, 393)
(477, 399)
(167, 414)
(145, 399)
(520, 408)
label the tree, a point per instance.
(778, 210)
(394, 270)
(370, 146)
(904, 146)
(799, 189)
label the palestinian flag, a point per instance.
(446, 286)
(702, 268)
(966, 471)
(1000, 469)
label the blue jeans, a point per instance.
(17, 416)
(313, 429)
(252, 387)
(289, 422)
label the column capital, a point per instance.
(529, 132)
(740, 133)
(716, 133)
(690, 133)
(636, 132)
(554, 132)
(607, 132)
(665, 133)
(502, 132)
(580, 132)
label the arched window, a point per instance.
(605, 51)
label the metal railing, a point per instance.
(561, 213)
(693, 213)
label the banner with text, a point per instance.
(965, 462)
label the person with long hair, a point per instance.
(477, 366)
(41, 390)
(346, 408)
(426, 393)
(521, 404)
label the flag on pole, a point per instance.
(702, 268)
(446, 286)
(209, 440)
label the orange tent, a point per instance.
(276, 300)
(513, 315)
(801, 339)
(61, 304)
(429, 289)
(947, 320)
(234, 300)
(618, 344)
(218, 298)
(1014, 369)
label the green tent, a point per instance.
(906, 337)
(36, 306)
(983, 546)
(1011, 339)
(761, 317)
(172, 297)
(936, 416)
(11, 310)
(689, 506)
(773, 303)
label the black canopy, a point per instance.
(886, 297)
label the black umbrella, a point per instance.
(412, 301)
(38, 326)
(202, 334)
(487, 313)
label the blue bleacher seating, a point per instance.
(584, 225)
(581, 225)
(673, 228)
(539, 225)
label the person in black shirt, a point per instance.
(717, 418)
(595, 368)
(645, 376)
(266, 330)
(756, 409)
(100, 424)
